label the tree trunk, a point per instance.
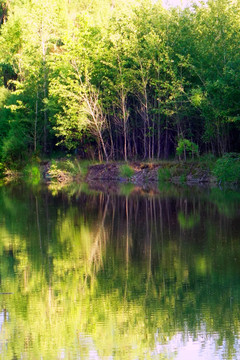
(159, 140)
(166, 142)
(125, 140)
(149, 138)
(103, 146)
(135, 144)
(144, 139)
(112, 152)
(125, 119)
(153, 139)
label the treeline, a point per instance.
(118, 80)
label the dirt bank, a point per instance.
(143, 173)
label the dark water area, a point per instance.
(119, 275)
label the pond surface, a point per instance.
(119, 275)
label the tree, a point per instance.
(79, 105)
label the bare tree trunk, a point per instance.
(125, 120)
(144, 139)
(149, 138)
(97, 121)
(112, 152)
(125, 139)
(153, 139)
(103, 145)
(159, 141)
(129, 142)
(135, 144)
(166, 142)
(100, 158)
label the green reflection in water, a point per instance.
(97, 275)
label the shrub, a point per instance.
(57, 173)
(227, 168)
(207, 158)
(70, 167)
(126, 171)
(207, 161)
(67, 169)
(32, 174)
(185, 147)
(164, 174)
(54, 170)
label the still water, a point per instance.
(123, 274)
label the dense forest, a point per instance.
(115, 79)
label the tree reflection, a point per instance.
(118, 275)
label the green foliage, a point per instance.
(185, 147)
(32, 174)
(117, 79)
(4, 94)
(126, 171)
(72, 167)
(4, 116)
(68, 166)
(57, 173)
(227, 168)
(83, 166)
(2, 169)
(15, 145)
(164, 174)
(207, 158)
(197, 97)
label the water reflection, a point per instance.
(107, 276)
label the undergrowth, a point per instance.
(227, 168)
(126, 171)
(69, 167)
(32, 174)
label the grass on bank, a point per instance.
(175, 169)
(169, 170)
(126, 171)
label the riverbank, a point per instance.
(141, 173)
(204, 170)
(138, 173)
